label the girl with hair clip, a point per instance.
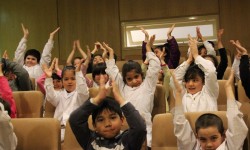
(31, 58)
(209, 131)
(132, 86)
(201, 86)
(74, 94)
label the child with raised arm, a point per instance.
(244, 67)
(132, 86)
(6, 94)
(107, 119)
(31, 58)
(74, 94)
(201, 86)
(209, 131)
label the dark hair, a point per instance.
(98, 69)
(108, 103)
(33, 52)
(215, 61)
(160, 47)
(6, 106)
(192, 72)
(200, 48)
(131, 65)
(208, 120)
(67, 68)
(56, 77)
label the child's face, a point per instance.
(57, 84)
(97, 78)
(97, 59)
(76, 62)
(194, 85)
(108, 124)
(69, 80)
(133, 79)
(157, 52)
(203, 52)
(30, 61)
(210, 138)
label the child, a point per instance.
(98, 70)
(244, 67)
(31, 58)
(209, 130)
(107, 120)
(201, 85)
(73, 95)
(56, 76)
(6, 94)
(132, 86)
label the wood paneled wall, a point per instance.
(99, 20)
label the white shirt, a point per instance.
(142, 97)
(236, 68)
(34, 71)
(66, 102)
(235, 134)
(206, 99)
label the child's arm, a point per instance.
(223, 56)
(81, 85)
(71, 55)
(51, 95)
(182, 129)
(173, 50)
(85, 66)
(208, 46)
(154, 65)
(78, 45)
(20, 51)
(23, 79)
(6, 93)
(46, 54)
(144, 43)
(237, 129)
(211, 83)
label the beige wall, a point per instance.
(99, 20)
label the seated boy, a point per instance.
(107, 121)
(210, 133)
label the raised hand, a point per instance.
(57, 65)
(48, 71)
(78, 66)
(5, 55)
(145, 33)
(86, 62)
(52, 34)
(170, 30)
(102, 91)
(25, 32)
(199, 35)
(240, 49)
(219, 33)
(150, 43)
(99, 45)
(228, 86)
(110, 50)
(193, 46)
(78, 45)
(117, 95)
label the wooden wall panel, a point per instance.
(148, 9)
(39, 16)
(89, 21)
(235, 19)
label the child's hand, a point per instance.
(198, 33)
(150, 43)
(170, 30)
(25, 32)
(78, 66)
(193, 46)
(51, 36)
(117, 95)
(241, 49)
(5, 55)
(48, 71)
(145, 32)
(102, 91)
(110, 50)
(74, 46)
(56, 65)
(219, 33)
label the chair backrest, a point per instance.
(28, 103)
(33, 83)
(227, 73)
(163, 137)
(37, 133)
(242, 97)
(49, 110)
(159, 100)
(222, 98)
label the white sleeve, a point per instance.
(20, 51)
(210, 48)
(51, 94)
(236, 68)
(237, 129)
(211, 82)
(186, 139)
(46, 55)
(81, 88)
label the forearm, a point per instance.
(174, 53)
(143, 51)
(46, 54)
(210, 48)
(20, 51)
(223, 63)
(245, 73)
